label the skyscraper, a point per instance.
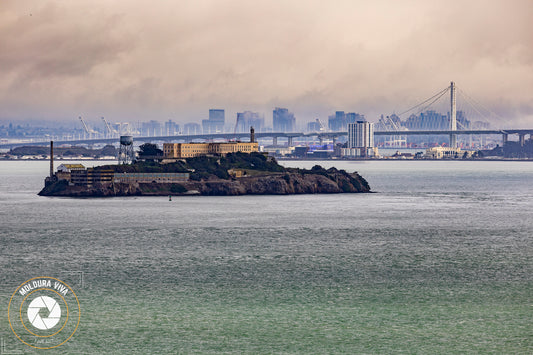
(337, 122)
(215, 123)
(248, 119)
(361, 135)
(216, 115)
(283, 120)
(171, 128)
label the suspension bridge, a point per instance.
(385, 127)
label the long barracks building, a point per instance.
(189, 150)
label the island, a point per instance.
(236, 173)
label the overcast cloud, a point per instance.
(139, 60)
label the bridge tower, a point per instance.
(453, 115)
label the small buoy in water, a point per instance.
(169, 197)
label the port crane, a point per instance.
(86, 128)
(321, 125)
(390, 125)
(110, 131)
(125, 128)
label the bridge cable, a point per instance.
(439, 94)
(432, 102)
(474, 107)
(473, 103)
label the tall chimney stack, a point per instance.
(51, 159)
(252, 134)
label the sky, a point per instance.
(140, 60)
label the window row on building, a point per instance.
(447, 153)
(90, 176)
(150, 177)
(78, 175)
(190, 150)
(361, 135)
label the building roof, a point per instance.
(73, 166)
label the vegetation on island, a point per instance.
(202, 167)
(150, 151)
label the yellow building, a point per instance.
(189, 150)
(185, 150)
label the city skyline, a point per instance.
(129, 62)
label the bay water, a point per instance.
(438, 260)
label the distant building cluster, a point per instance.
(248, 119)
(425, 121)
(192, 128)
(151, 128)
(283, 120)
(315, 126)
(429, 120)
(171, 128)
(340, 120)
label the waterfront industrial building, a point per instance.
(447, 153)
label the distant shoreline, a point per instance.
(291, 159)
(59, 159)
(393, 159)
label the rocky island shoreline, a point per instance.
(234, 174)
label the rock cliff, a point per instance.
(292, 181)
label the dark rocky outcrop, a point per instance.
(210, 176)
(291, 181)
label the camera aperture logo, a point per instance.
(44, 312)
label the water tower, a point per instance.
(125, 153)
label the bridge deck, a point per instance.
(229, 136)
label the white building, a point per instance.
(360, 152)
(361, 139)
(67, 168)
(447, 153)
